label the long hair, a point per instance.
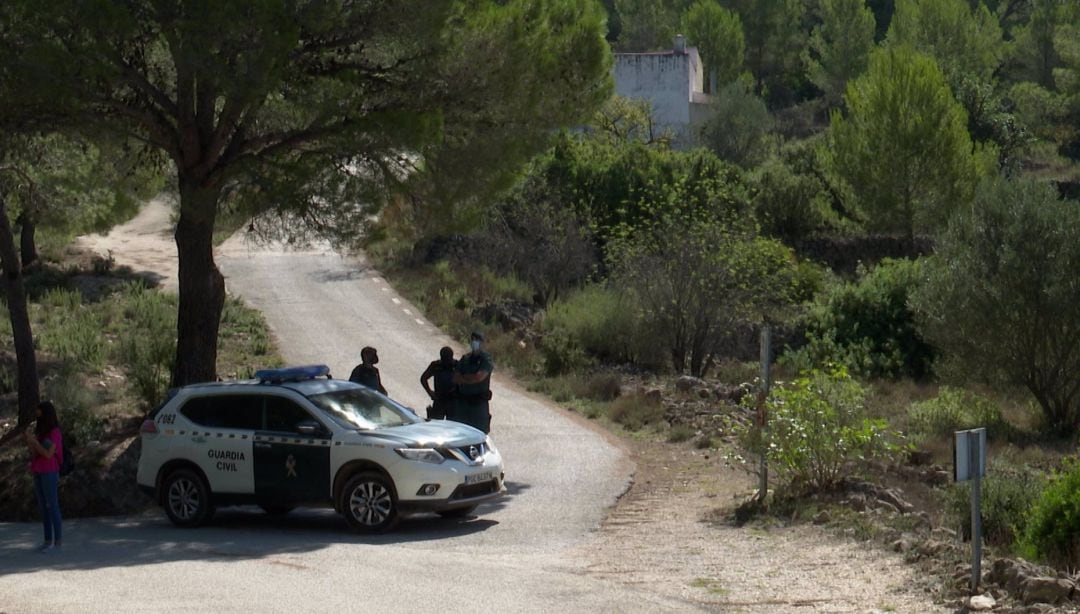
(48, 420)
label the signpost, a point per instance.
(969, 463)
(763, 394)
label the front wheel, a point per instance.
(187, 498)
(369, 503)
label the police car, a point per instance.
(294, 437)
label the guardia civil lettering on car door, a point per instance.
(295, 437)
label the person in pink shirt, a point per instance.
(46, 453)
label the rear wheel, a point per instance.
(460, 512)
(369, 503)
(187, 498)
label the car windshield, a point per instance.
(361, 408)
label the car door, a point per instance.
(220, 441)
(291, 467)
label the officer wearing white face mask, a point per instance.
(473, 380)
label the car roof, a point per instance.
(305, 387)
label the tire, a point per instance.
(277, 510)
(187, 498)
(459, 512)
(369, 503)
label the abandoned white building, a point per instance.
(672, 82)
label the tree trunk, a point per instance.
(27, 241)
(26, 360)
(202, 287)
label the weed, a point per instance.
(704, 443)
(680, 433)
(601, 387)
(635, 411)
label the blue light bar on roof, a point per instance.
(292, 374)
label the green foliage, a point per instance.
(680, 433)
(1000, 302)
(955, 409)
(717, 34)
(601, 321)
(817, 425)
(1053, 526)
(646, 25)
(695, 279)
(1008, 494)
(563, 353)
(904, 148)
(774, 44)
(601, 387)
(964, 40)
(739, 126)
(840, 47)
(867, 326)
(635, 411)
(796, 194)
(147, 343)
(71, 331)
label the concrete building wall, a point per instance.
(672, 82)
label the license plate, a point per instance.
(478, 477)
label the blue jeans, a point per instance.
(47, 487)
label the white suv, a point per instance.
(291, 438)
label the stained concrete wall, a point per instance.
(672, 82)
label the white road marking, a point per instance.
(407, 312)
(419, 321)
(397, 301)
(385, 289)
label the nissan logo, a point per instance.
(473, 452)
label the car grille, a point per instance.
(468, 491)
(465, 454)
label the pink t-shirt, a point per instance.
(40, 464)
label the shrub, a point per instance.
(817, 424)
(867, 326)
(602, 322)
(148, 342)
(1007, 497)
(680, 433)
(1053, 526)
(635, 411)
(72, 331)
(601, 387)
(562, 353)
(956, 409)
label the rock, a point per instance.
(980, 603)
(937, 477)
(931, 547)
(821, 518)
(653, 394)
(704, 393)
(1011, 574)
(902, 545)
(919, 458)
(856, 502)
(508, 314)
(943, 533)
(1046, 590)
(686, 383)
(893, 498)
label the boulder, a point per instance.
(981, 603)
(1046, 590)
(686, 383)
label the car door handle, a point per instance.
(263, 446)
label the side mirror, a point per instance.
(309, 427)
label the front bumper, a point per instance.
(463, 496)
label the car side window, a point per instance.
(242, 412)
(283, 415)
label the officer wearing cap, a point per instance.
(443, 396)
(473, 380)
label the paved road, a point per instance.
(562, 474)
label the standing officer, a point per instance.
(365, 373)
(473, 379)
(442, 398)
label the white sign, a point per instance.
(963, 441)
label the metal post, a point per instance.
(763, 418)
(974, 458)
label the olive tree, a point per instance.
(1000, 297)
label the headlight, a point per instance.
(423, 455)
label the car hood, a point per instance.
(434, 434)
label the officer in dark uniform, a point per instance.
(473, 379)
(443, 397)
(365, 373)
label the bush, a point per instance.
(867, 326)
(148, 342)
(600, 321)
(563, 353)
(680, 433)
(817, 424)
(601, 387)
(955, 409)
(1053, 525)
(72, 331)
(1007, 497)
(635, 411)
(739, 126)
